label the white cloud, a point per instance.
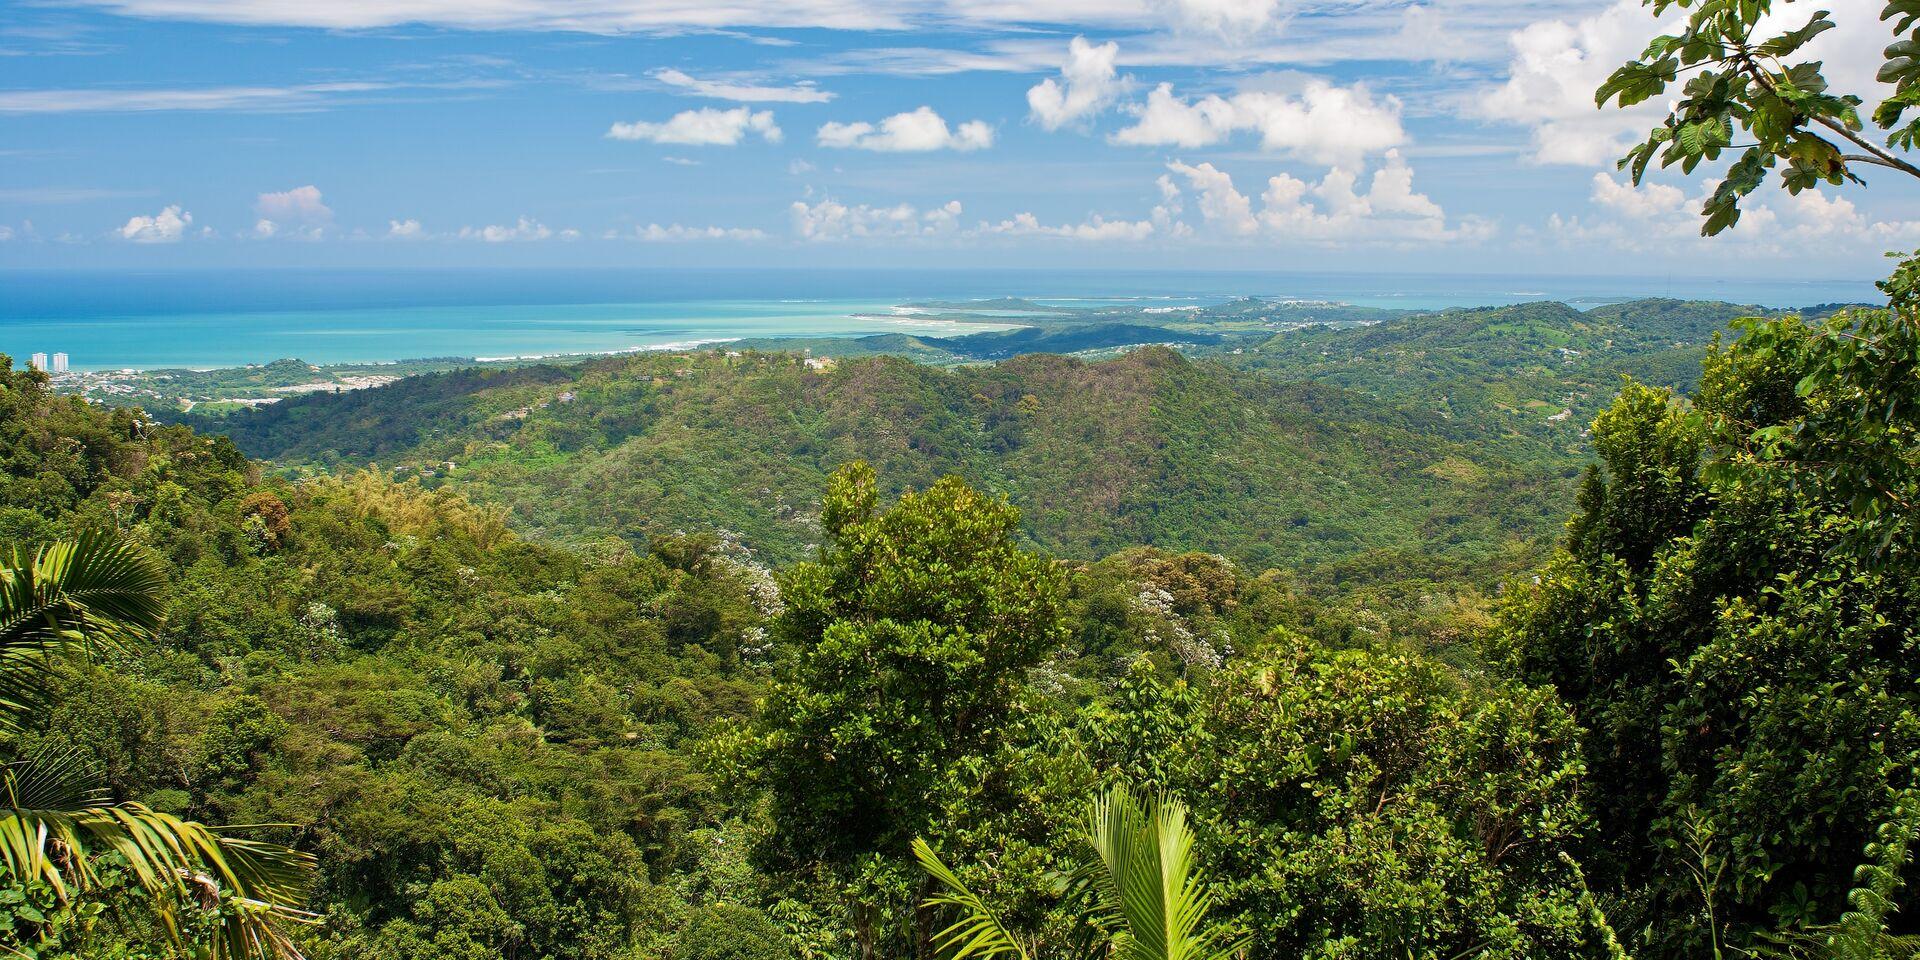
(1225, 17)
(404, 229)
(1555, 68)
(1331, 211)
(6, 233)
(525, 229)
(1095, 228)
(675, 233)
(1166, 213)
(167, 226)
(803, 92)
(1220, 204)
(1323, 122)
(832, 220)
(706, 126)
(918, 131)
(589, 16)
(1660, 217)
(1646, 202)
(1088, 84)
(298, 212)
(1228, 18)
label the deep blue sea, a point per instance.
(109, 320)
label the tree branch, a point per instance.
(1878, 156)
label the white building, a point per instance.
(59, 363)
(39, 361)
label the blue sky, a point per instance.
(1132, 134)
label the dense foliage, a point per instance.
(1734, 621)
(1150, 448)
(589, 723)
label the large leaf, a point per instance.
(57, 825)
(89, 593)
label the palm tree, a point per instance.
(57, 825)
(1141, 891)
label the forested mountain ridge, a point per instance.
(1508, 369)
(1452, 436)
(1148, 448)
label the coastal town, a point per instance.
(208, 391)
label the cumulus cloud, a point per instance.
(298, 212)
(918, 131)
(1221, 205)
(1322, 122)
(707, 126)
(1166, 213)
(1658, 217)
(404, 229)
(802, 92)
(675, 233)
(1331, 211)
(1088, 84)
(525, 229)
(167, 226)
(832, 220)
(1645, 202)
(1095, 228)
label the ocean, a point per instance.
(204, 319)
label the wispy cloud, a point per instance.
(260, 99)
(803, 92)
(62, 195)
(303, 97)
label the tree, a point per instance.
(1368, 804)
(1746, 72)
(1141, 894)
(1745, 668)
(57, 829)
(726, 931)
(901, 651)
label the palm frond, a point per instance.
(978, 933)
(1141, 897)
(94, 591)
(57, 826)
(1151, 882)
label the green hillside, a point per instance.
(1151, 448)
(1511, 369)
(1450, 437)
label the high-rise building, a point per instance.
(39, 361)
(59, 363)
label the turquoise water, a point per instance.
(208, 319)
(486, 331)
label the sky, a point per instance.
(1442, 135)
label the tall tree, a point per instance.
(901, 648)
